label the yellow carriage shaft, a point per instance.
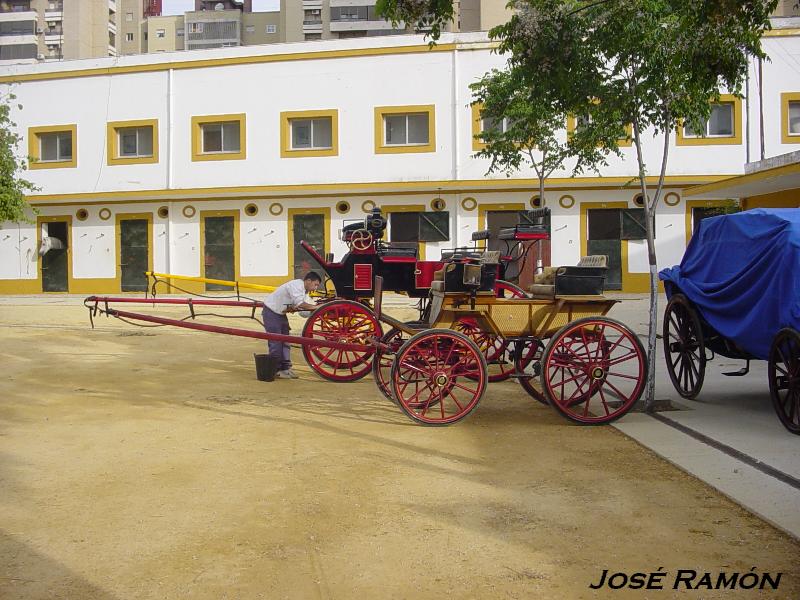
(242, 285)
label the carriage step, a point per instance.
(741, 372)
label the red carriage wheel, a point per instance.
(341, 321)
(506, 289)
(383, 360)
(684, 348)
(784, 378)
(438, 377)
(528, 366)
(496, 350)
(594, 370)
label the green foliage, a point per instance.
(13, 206)
(423, 15)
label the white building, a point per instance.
(215, 163)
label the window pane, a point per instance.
(145, 141)
(418, 129)
(688, 130)
(212, 137)
(721, 121)
(395, 129)
(633, 225)
(230, 137)
(492, 124)
(403, 227)
(301, 133)
(322, 133)
(794, 118)
(434, 226)
(64, 146)
(48, 147)
(127, 142)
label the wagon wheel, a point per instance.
(528, 366)
(429, 377)
(341, 321)
(784, 378)
(594, 370)
(382, 361)
(506, 289)
(496, 349)
(684, 347)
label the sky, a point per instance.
(178, 7)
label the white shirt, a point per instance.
(291, 293)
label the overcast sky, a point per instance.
(178, 7)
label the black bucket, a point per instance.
(265, 367)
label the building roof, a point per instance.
(764, 177)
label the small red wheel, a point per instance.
(341, 321)
(506, 289)
(784, 378)
(438, 377)
(383, 360)
(594, 370)
(528, 367)
(496, 350)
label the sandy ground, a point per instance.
(150, 463)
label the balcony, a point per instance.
(312, 27)
(312, 4)
(53, 39)
(54, 15)
(351, 3)
(13, 17)
(353, 25)
(112, 5)
(112, 51)
(112, 27)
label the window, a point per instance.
(313, 36)
(481, 124)
(53, 147)
(219, 137)
(724, 126)
(179, 32)
(401, 129)
(128, 37)
(131, 142)
(272, 28)
(129, 17)
(419, 226)
(575, 123)
(309, 133)
(195, 28)
(250, 28)
(160, 33)
(790, 118)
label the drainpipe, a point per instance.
(747, 115)
(170, 130)
(456, 145)
(761, 103)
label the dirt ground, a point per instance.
(150, 463)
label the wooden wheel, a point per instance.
(684, 348)
(383, 360)
(496, 349)
(430, 377)
(341, 321)
(594, 370)
(528, 366)
(784, 378)
(506, 289)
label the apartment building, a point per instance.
(33, 30)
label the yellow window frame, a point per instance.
(732, 140)
(34, 145)
(286, 133)
(786, 137)
(383, 111)
(112, 137)
(197, 137)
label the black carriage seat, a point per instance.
(462, 276)
(587, 278)
(483, 234)
(407, 249)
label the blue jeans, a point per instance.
(279, 351)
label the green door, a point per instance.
(219, 251)
(605, 237)
(311, 229)
(55, 263)
(134, 254)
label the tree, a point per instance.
(13, 206)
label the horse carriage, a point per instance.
(736, 294)
(561, 347)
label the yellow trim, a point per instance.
(382, 111)
(390, 208)
(221, 62)
(354, 189)
(734, 140)
(326, 213)
(634, 283)
(34, 147)
(477, 127)
(197, 137)
(10, 287)
(742, 180)
(236, 249)
(286, 138)
(53, 219)
(671, 194)
(625, 142)
(786, 137)
(782, 33)
(690, 205)
(112, 136)
(118, 237)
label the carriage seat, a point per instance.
(394, 250)
(587, 278)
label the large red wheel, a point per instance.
(341, 321)
(528, 367)
(496, 349)
(594, 370)
(684, 348)
(784, 378)
(506, 289)
(438, 377)
(383, 360)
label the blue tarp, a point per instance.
(742, 273)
